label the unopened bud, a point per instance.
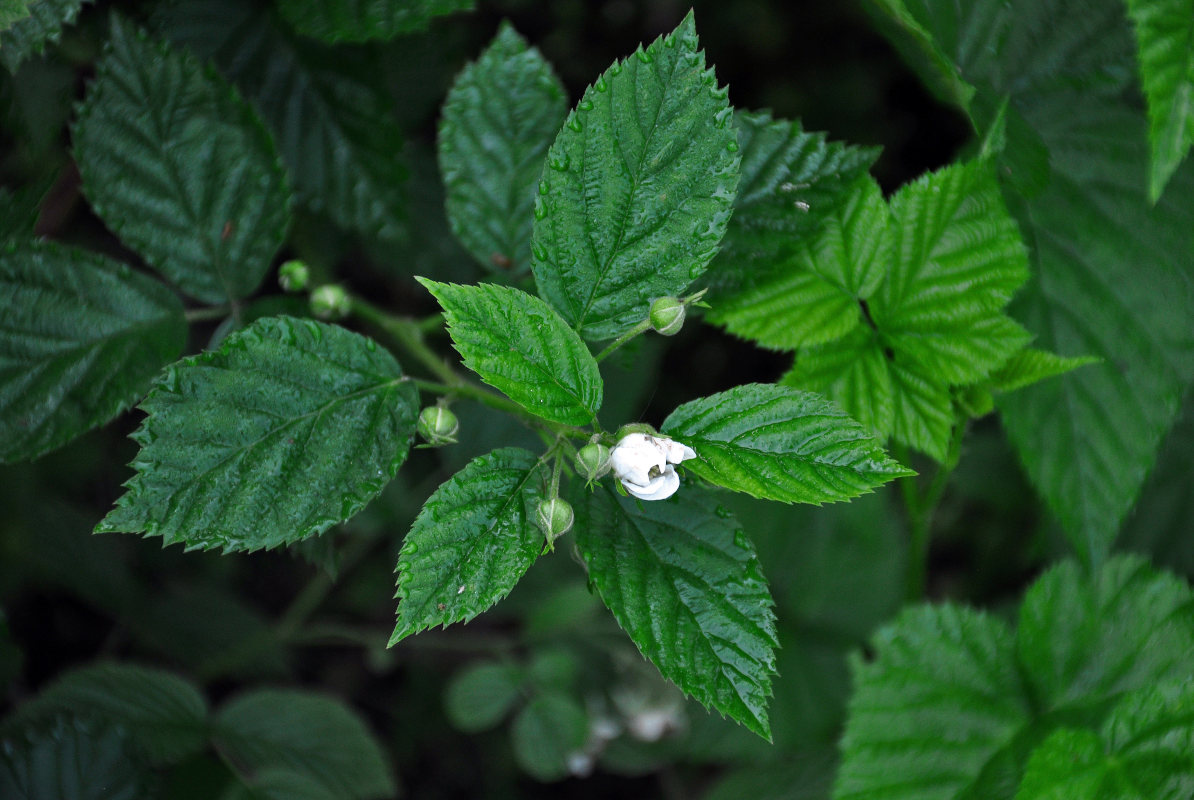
(438, 426)
(555, 518)
(330, 302)
(293, 276)
(667, 316)
(593, 460)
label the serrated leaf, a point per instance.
(480, 695)
(683, 581)
(791, 180)
(18, 214)
(81, 338)
(27, 29)
(500, 117)
(549, 729)
(181, 168)
(474, 539)
(290, 427)
(638, 188)
(815, 297)
(940, 699)
(522, 347)
(333, 119)
(1165, 38)
(164, 715)
(309, 734)
(71, 759)
(365, 20)
(1031, 366)
(778, 443)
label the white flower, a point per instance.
(646, 465)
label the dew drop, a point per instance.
(722, 512)
(539, 251)
(722, 117)
(644, 56)
(615, 69)
(600, 84)
(732, 147)
(543, 188)
(741, 541)
(558, 161)
(540, 209)
(574, 123)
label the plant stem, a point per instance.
(642, 327)
(408, 333)
(202, 314)
(921, 509)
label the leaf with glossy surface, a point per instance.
(498, 121)
(520, 346)
(290, 427)
(779, 443)
(26, 30)
(474, 539)
(365, 20)
(638, 188)
(683, 580)
(81, 338)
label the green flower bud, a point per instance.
(555, 518)
(438, 426)
(293, 276)
(593, 460)
(330, 302)
(667, 316)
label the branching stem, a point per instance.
(921, 508)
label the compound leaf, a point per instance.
(519, 345)
(779, 443)
(290, 427)
(498, 121)
(365, 20)
(638, 188)
(26, 30)
(474, 539)
(1031, 366)
(683, 580)
(81, 338)
(181, 168)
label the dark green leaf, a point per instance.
(779, 443)
(26, 29)
(546, 732)
(18, 214)
(518, 344)
(653, 134)
(71, 760)
(308, 734)
(683, 580)
(498, 121)
(474, 539)
(292, 426)
(363, 20)
(480, 695)
(80, 340)
(1031, 366)
(276, 783)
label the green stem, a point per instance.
(642, 327)
(922, 507)
(203, 314)
(408, 333)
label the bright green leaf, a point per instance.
(498, 121)
(481, 694)
(304, 733)
(1031, 366)
(546, 732)
(181, 168)
(289, 428)
(779, 443)
(1071, 765)
(1165, 37)
(81, 338)
(365, 20)
(72, 759)
(332, 117)
(638, 187)
(474, 539)
(519, 345)
(682, 579)
(26, 29)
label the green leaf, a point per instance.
(519, 345)
(365, 20)
(26, 29)
(289, 428)
(164, 715)
(1165, 37)
(81, 338)
(1031, 366)
(546, 732)
(779, 443)
(280, 784)
(498, 121)
(474, 539)
(479, 696)
(1071, 765)
(332, 117)
(181, 168)
(940, 699)
(307, 734)
(816, 296)
(638, 188)
(682, 579)
(18, 213)
(791, 181)
(71, 760)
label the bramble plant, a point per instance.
(1046, 275)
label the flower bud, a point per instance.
(593, 460)
(555, 518)
(438, 426)
(293, 276)
(330, 301)
(667, 316)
